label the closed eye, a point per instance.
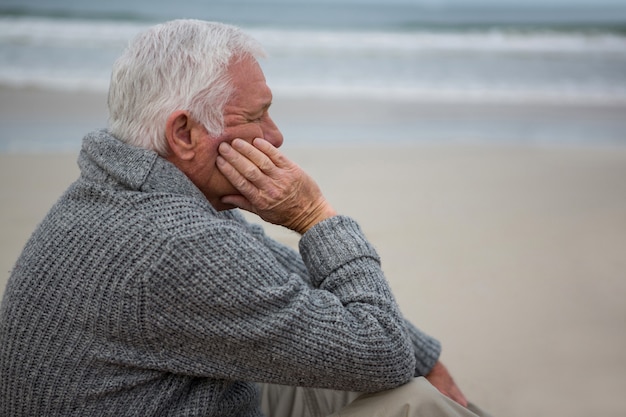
(260, 118)
(261, 114)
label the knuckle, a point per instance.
(252, 173)
(240, 183)
(265, 165)
(275, 194)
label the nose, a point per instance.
(271, 133)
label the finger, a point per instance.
(255, 155)
(454, 393)
(276, 156)
(457, 399)
(232, 174)
(238, 201)
(245, 167)
(457, 395)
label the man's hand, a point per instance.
(272, 186)
(442, 380)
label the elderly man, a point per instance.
(145, 292)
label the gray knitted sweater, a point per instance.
(134, 297)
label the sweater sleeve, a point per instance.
(427, 349)
(220, 305)
(319, 260)
(286, 256)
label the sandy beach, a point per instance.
(513, 256)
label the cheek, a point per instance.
(207, 165)
(247, 132)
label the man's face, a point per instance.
(246, 116)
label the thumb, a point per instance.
(238, 201)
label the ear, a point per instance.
(179, 134)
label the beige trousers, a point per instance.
(418, 398)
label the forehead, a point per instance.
(248, 81)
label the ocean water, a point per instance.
(368, 50)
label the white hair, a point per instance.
(178, 65)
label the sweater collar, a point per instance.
(104, 158)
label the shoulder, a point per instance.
(181, 217)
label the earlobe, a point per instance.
(178, 132)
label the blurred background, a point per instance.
(536, 71)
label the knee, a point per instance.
(420, 394)
(420, 386)
(418, 397)
(417, 391)
(426, 400)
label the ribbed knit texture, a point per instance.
(134, 297)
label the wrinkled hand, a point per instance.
(271, 185)
(442, 380)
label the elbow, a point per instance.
(401, 358)
(395, 367)
(402, 370)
